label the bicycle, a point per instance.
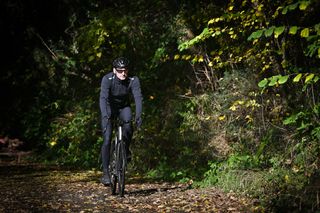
(118, 160)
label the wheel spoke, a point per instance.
(122, 168)
(113, 169)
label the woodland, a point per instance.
(230, 90)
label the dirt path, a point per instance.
(34, 188)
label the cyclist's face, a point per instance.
(122, 74)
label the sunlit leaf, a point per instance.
(295, 169)
(309, 78)
(255, 35)
(233, 108)
(278, 31)
(285, 10)
(263, 83)
(268, 32)
(305, 32)
(53, 143)
(286, 178)
(273, 80)
(293, 30)
(303, 5)
(249, 119)
(297, 78)
(283, 79)
(211, 21)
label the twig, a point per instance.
(44, 43)
(185, 96)
(278, 127)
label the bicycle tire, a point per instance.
(113, 169)
(122, 168)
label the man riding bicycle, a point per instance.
(114, 102)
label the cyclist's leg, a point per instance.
(126, 116)
(105, 152)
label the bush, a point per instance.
(73, 137)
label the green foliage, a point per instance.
(73, 139)
(91, 41)
(268, 46)
(276, 80)
(206, 33)
(166, 139)
(276, 186)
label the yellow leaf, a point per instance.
(188, 57)
(304, 33)
(53, 143)
(233, 108)
(286, 177)
(303, 5)
(195, 59)
(99, 55)
(230, 8)
(222, 117)
(309, 78)
(200, 59)
(207, 118)
(295, 169)
(297, 78)
(249, 119)
(176, 57)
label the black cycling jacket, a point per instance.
(115, 93)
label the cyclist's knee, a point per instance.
(127, 124)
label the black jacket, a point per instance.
(115, 93)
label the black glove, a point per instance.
(138, 122)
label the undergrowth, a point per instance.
(257, 146)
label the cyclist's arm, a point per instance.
(136, 91)
(104, 99)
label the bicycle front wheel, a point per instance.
(122, 168)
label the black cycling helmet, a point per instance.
(120, 63)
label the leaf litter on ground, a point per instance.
(37, 188)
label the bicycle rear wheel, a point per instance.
(113, 170)
(122, 168)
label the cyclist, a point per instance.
(116, 87)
